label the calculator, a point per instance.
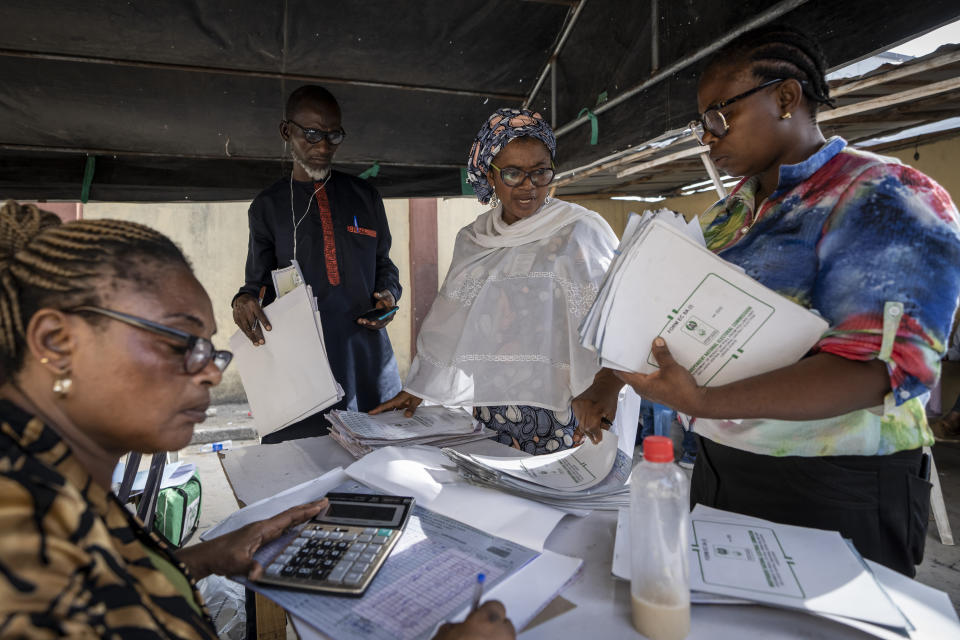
(340, 551)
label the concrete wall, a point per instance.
(213, 236)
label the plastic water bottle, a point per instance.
(226, 445)
(659, 521)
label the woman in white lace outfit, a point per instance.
(501, 336)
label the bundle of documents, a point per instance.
(582, 478)
(287, 378)
(718, 322)
(361, 433)
(737, 559)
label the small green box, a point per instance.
(178, 511)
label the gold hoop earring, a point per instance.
(61, 386)
(786, 116)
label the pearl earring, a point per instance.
(61, 386)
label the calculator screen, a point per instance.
(361, 512)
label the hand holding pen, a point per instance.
(488, 622)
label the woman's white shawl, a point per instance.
(503, 329)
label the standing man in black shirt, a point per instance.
(335, 226)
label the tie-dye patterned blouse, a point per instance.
(74, 562)
(874, 247)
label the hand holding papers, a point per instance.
(288, 378)
(718, 323)
(360, 433)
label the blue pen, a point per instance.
(356, 226)
(478, 591)
(388, 314)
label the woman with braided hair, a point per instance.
(105, 348)
(833, 441)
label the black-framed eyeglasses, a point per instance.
(316, 136)
(199, 351)
(714, 122)
(514, 176)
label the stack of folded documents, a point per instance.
(719, 323)
(738, 559)
(287, 378)
(361, 433)
(582, 478)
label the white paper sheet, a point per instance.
(271, 506)
(393, 425)
(428, 577)
(719, 323)
(572, 469)
(262, 471)
(524, 594)
(785, 566)
(427, 475)
(287, 378)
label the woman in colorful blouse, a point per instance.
(833, 441)
(104, 349)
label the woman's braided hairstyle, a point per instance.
(779, 51)
(46, 264)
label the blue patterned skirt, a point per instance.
(529, 429)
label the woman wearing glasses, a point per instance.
(105, 348)
(502, 333)
(835, 440)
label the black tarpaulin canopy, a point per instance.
(180, 99)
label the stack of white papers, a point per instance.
(360, 433)
(288, 378)
(718, 322)
(737, 559)
(582, 478)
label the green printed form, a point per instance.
(744, 556)
(712, 326)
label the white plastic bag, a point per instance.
(226, 602)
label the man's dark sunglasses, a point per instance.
(316, 136)
(714, 122)
(199, 351)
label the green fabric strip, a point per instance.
(594, 126)
(87, 178)
(371, 172)
(176, 578)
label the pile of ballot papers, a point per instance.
(360, 433)
(591, 476)
(737, 559)
(288, 378)
(719, 323)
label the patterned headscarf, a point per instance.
(499, 129)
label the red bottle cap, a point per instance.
(658, 449)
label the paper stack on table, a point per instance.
(737, 559)
(718, 322)
(582, 478)
(360, 433)
(287, 378)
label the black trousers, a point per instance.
(310, 427)
(880, 502)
